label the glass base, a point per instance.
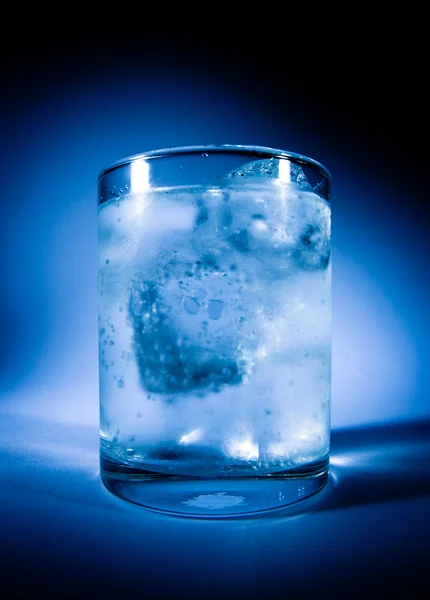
(209, 498)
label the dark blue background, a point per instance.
(76, 99)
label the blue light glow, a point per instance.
(50, 343)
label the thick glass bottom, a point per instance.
(214, 497)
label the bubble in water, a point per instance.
(191, 305)
(199, 294)
(215, 308)
(120, 383)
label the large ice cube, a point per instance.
(267, 210)
(278, 216)
(184, 340)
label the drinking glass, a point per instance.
(215, 329)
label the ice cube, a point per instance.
(269, 210)
(181, 346)
(269, 169)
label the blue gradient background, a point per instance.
(72, 104)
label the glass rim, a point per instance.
(261, 152)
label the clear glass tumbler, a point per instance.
(215, 329)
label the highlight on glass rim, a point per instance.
(215, 329)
